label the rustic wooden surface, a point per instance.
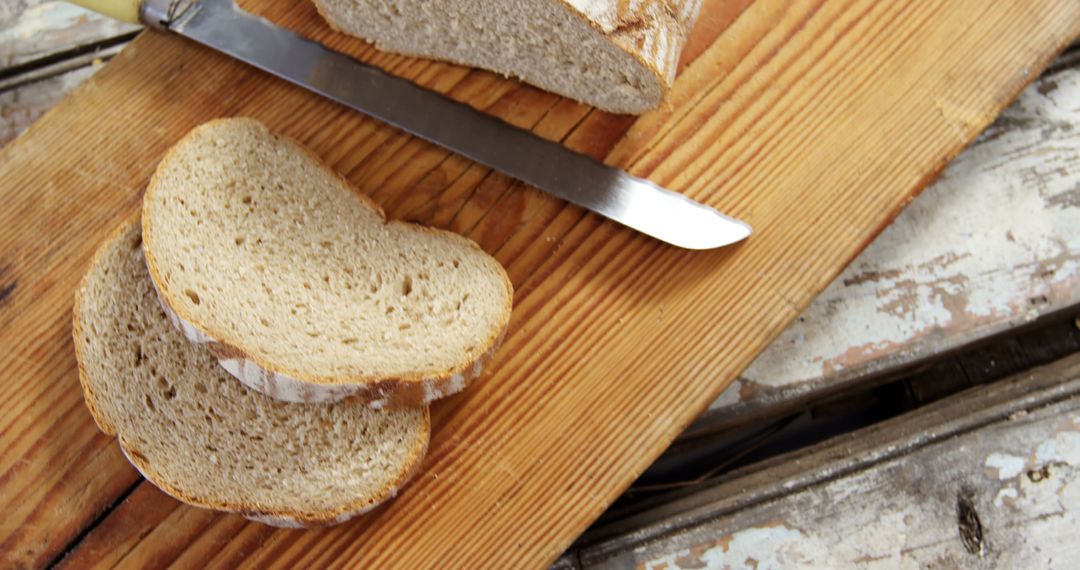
(1031, 137)
(989, 478)
(993, 244)
(844, 108)
(963, 274)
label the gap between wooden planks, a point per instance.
(815, 121)
(890, 494)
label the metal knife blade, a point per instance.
(630, 200)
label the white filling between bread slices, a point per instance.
(288, 389)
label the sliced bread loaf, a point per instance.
(302, 287)
(207, 440)
(616, 55)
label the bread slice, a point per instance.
(207, 440)
(616, 55)
(302, 287)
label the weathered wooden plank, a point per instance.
(47, 48)
(20, 107)
(36, 29)
(832, 105)
(697, 458)
(989, 478)
(992, 245)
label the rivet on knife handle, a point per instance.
(627, 199)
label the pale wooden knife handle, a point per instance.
(123, 10)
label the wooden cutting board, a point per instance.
(814, 120)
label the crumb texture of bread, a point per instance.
(254, 243)
(204, 438)
(616, 55)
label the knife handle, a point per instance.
(123, 10)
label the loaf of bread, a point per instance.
(300, 285)
(616, 55)
(204, 438)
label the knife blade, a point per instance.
(627, 199)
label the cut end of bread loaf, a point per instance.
(300, 285)
(618, 56)
(200, 436)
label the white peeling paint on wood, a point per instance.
(19, 108)
(1046, 460)
(30, 29)
(1020, 479)
(994, 243)
(33, 29)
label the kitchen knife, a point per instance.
(630, 200)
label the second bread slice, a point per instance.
(301, 286)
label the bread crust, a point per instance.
(651, 31)
(292, 385)
(78, 334)
(291, 518)
(286, 518)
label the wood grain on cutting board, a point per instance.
(815, 121)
